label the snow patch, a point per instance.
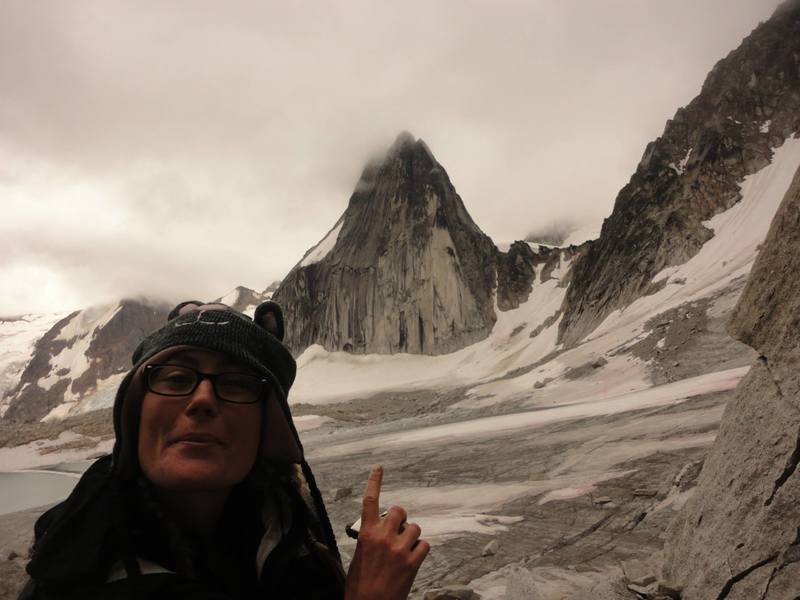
(308, 422)
(321, 250)
(680, 168)
(765, 126)
(231, 297)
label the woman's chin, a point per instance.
(193, 475)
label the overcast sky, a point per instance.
(181, 148)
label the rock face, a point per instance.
(405, 269)
(749, 103)
(78, 353)
(524, 264)
(738, 537)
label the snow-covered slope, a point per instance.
(78, 361)
(729, 255)
(18, 336)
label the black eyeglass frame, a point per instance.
(212, 377)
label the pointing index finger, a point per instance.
(372, 494)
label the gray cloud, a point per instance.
(158, 147)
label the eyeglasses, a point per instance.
(176, 380)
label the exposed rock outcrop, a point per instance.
(77, 353)
(524, 264)
(739, 536)
(750, 102)
(405, 269)
(516, 271)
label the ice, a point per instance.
(320, 251)
(601, 404)
(31, 455)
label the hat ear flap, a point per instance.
(176, 312)
(270, 316)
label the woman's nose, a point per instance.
(203, 400)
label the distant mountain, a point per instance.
(271, 289)
(405, 268)
(82, 356)
(749, 104)
(244, 299)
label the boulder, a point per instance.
(491, 548)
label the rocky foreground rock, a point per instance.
(739, 536)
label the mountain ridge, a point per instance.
(749, 103)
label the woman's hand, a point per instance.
(389, 551)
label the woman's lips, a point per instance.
(197, 439)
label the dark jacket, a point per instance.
(92, 545)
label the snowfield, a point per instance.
(17, 339)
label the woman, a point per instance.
(206, 494)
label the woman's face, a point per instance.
(198, 442)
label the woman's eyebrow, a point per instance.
(187, 360)
(184, 360)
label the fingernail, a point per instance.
(378, 468)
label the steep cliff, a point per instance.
(738, 537)
(405, 269)
(749, 103)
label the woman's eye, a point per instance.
(176, 379)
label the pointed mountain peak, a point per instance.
(406, 144)
(404, 269)
(404, 139)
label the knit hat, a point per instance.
(256, 343)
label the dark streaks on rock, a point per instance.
(726, 589)
(788, 471)
(409, 271)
